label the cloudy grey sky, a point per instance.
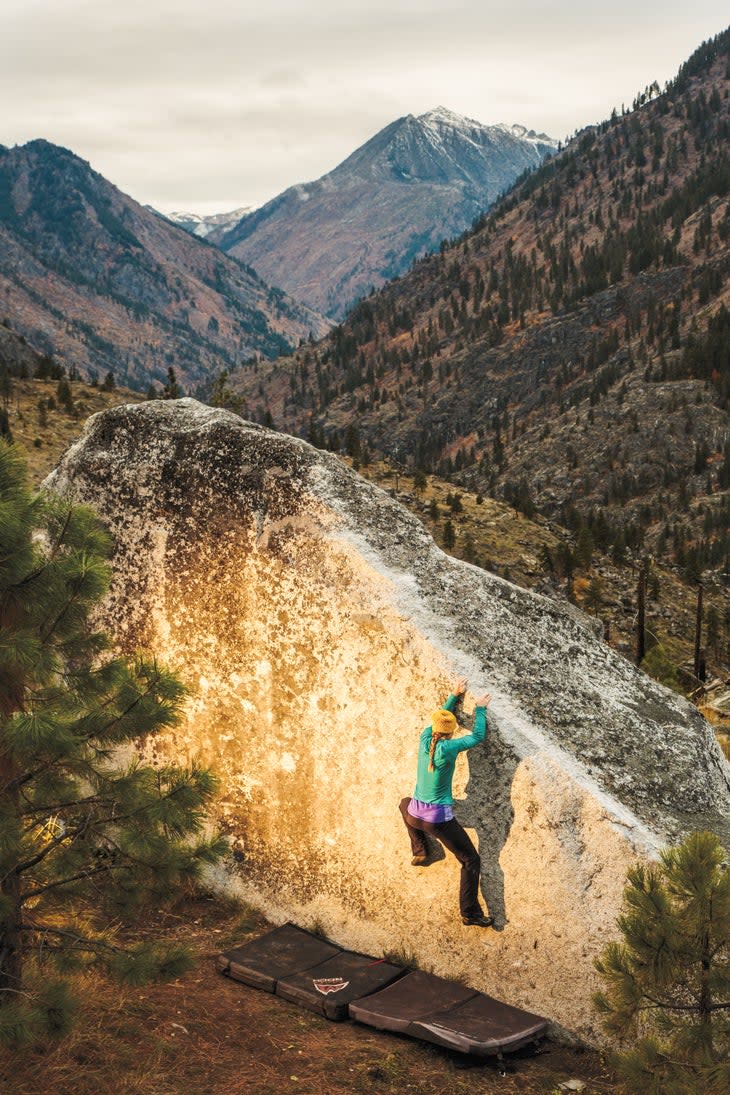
(206, 106)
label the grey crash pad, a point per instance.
(329, 987)
(285, 950)
(448, 1014)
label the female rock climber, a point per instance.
(431, 810)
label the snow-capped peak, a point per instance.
(440, 115)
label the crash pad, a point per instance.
(319, 975)
(285, 950)
(329, 987)
(449, 1014)
(416, 996)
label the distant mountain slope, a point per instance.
(573, 352)
(92, 277)
(415, 182)
(17, 358)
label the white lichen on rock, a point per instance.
(318, 625)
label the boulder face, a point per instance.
(318, 625)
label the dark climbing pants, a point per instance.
(456, 840)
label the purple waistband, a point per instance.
(435, 812)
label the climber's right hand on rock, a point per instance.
(483, 701)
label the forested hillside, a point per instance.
(571, 353)
(92, 278)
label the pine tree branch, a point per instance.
(46, 635)
(87, 826)
(83, 829)
(48, 559)
(100, 800)
(32, 894)
(160, 798)
(132, 859)
(664, 1006)
(39, 857)
(85, 943)
(29, 776)
(66, 836)
(56, 807)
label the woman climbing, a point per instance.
(431, 810)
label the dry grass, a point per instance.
(44, 444)
(207, 1035)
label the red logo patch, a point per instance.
(326, 985)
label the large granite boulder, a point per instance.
(318, 625)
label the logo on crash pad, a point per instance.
(326, 985)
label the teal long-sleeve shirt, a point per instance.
(435, 787)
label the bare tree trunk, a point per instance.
(641, 618)
(705, 998)
(11, 957)
(698, 669)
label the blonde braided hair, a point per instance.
(443, 725)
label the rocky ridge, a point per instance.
(318, 624)
(418, 180)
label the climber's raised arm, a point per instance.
(451, 747)
(457, 691)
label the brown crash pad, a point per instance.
(285, 950)
(413, 997)
(329, 987)
(448, 1014)
(321, 976)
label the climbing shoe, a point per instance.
(419, 861)
(477, 921)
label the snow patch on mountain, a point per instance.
(203, 225)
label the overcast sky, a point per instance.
(206, 106)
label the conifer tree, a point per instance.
(593, 599)
(420, 482)
(80, 828)
(223, 395)
(668, 982)
(584, 548)
(171, 389)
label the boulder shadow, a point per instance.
(487, 809)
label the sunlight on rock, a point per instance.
(318, 625)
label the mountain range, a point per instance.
(90, 276)
(417, 181)
(571, 352)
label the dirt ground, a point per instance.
(207, 1035)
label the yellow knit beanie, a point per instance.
(443, 722)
